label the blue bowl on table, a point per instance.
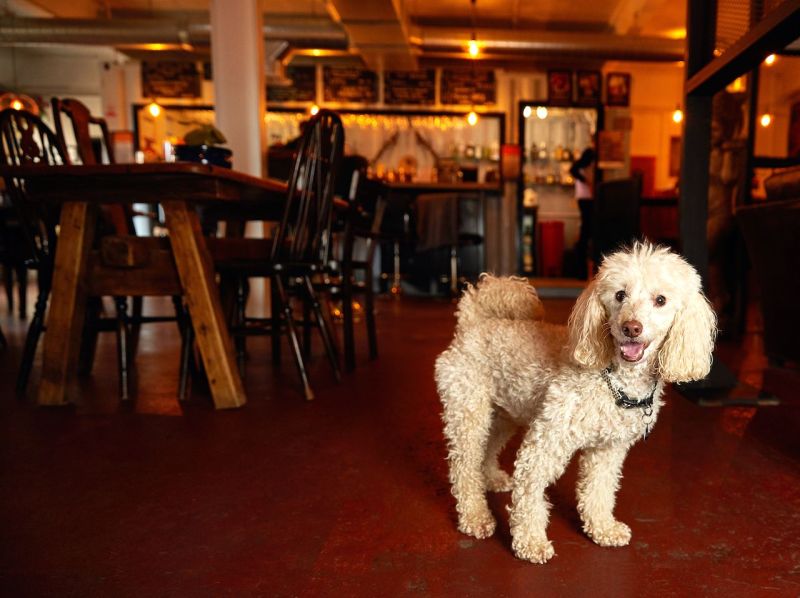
(205, 154)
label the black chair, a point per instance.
(14, 258)
(352, 275)
(26, 140)
(616, 216)
(299, 251)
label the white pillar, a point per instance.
(237, 62)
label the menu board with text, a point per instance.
(468, 87)
(416, 88)
(349, 85)
(170, 79)
(302, 89)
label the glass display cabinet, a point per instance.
(550, 138)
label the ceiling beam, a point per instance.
(777, 29)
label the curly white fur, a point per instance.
(505, 369)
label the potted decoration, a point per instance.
(202, 145)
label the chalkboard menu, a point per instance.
(409, 87)
(302, 89)
(349, 85)
(467, 87)
(170, 79)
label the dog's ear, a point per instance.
(588, 332)
(686, 352)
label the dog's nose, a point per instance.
(632, 328)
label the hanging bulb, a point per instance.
(527, 111)
(770, 60)
(16, 105)
(677, 116)
(472, 48)
(313, 110)
(472, 118)
(541, 112)
(154, 109)
(765, 120)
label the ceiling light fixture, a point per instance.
(472, 46)
(677, 116)
(770, 60)
(472, 118)
(541, 112)
(313, 110)
(154, 109)
(765, 120)
(527, 111)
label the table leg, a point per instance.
(196, 272)
(62, 341)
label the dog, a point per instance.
(594, 386)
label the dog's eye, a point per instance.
(620, 296)
(661, 301)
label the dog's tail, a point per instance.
(506, 297)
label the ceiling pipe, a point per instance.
(437, 41)
(113, 32)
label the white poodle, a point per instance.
(594, 386)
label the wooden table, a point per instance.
(178, 188)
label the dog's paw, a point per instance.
(498, 480)
(534, 551)
(615, 533)
(478, 525)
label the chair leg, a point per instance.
(327, 337)
(8, 283)
(137, 309)
(369, 306)
(396, 288)
(288, 318)
(348, 327)
(307, 330)
(32, 340)
(275, 314)
(453, 271)
(240, 319)
(22, 290)
(123, 347)
(3, 341)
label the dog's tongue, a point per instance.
(632, 351)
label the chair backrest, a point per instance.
(26, 140)
(304, 231)
(81, 120)
(616, 215)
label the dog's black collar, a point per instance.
(622, 399)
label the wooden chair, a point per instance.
(360, 220)
(299, 251)
(120, 217)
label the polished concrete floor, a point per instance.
(348, 495)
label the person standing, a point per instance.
(582, 171)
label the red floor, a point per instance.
(348, 496)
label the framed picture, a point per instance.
(559, 88)
(587, 88)
(618, 89)
(794, 131)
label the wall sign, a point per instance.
(302, 89)
(618, 89)
(349, 85)
(170, 79)
(588, 88)
(466, 87)
(416, 88)
(559, 88)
